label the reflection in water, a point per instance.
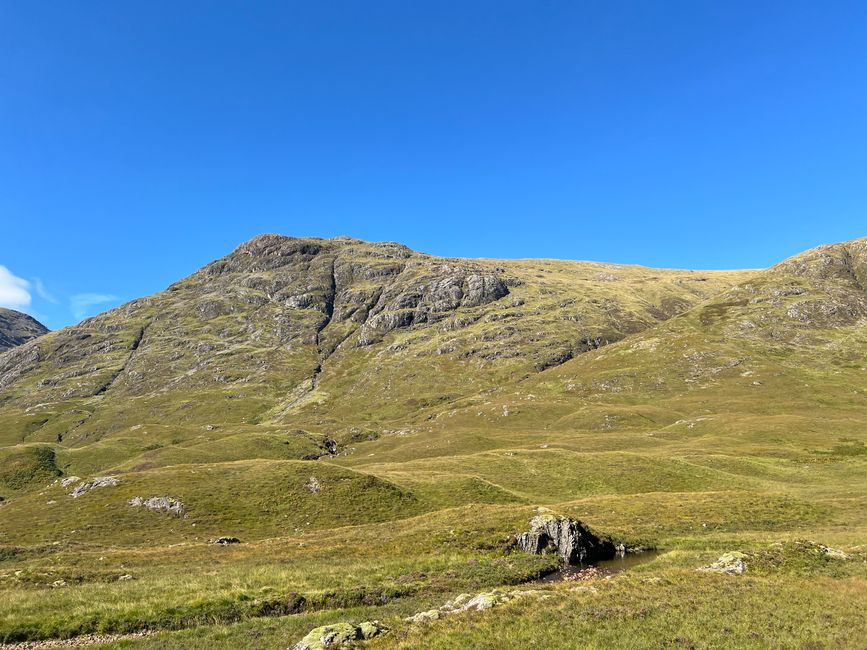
(601, 568)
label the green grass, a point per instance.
(733, 426)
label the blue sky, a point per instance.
(140, 140)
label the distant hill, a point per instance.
(17, 328)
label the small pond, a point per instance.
(602, 568)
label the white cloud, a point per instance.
(42, 292)
(14, 291)
(81, 303)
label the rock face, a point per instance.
(569, 539)
(17, 328)
(339, 636)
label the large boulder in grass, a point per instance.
(569, 539)
(339, 636)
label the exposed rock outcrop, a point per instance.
(339, 636)
(434, 293)
(160, 504)
(730, 563)
(478, 602)
(96, 482)
(569, 539)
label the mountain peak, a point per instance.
(17, 328)
(271, 243)
(845, 262)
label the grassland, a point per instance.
(723, 413)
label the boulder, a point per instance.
(369, 629)
(730, 563)
(160, 504)
(568, 538)
(339, 636)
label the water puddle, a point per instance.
(610, 567)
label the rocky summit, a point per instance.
(318, 442)
(17, 328)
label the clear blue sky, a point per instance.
(140, 140)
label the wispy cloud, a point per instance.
(81, 303)
(14, 291)
(42, 292)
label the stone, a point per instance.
(833, 553)
(369, 629)
(424, 617)
(328, 637)
(729, 563)
(96, 482)
(479, 602)
(313, 485)
(485, 601)
(339, 636)
(570, 539)
(224, 541)
(160, 504)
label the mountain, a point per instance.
(325, 336)
(377, 425)
(17, 328)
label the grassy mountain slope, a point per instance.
(445, 400)
(312, 338)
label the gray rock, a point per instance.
(424, 617)
(730, 563)
(96, 482)
(159, 504)
(568, 538)
(479, 602)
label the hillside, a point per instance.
(17, 328)
(375, 425)
(312, 338)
